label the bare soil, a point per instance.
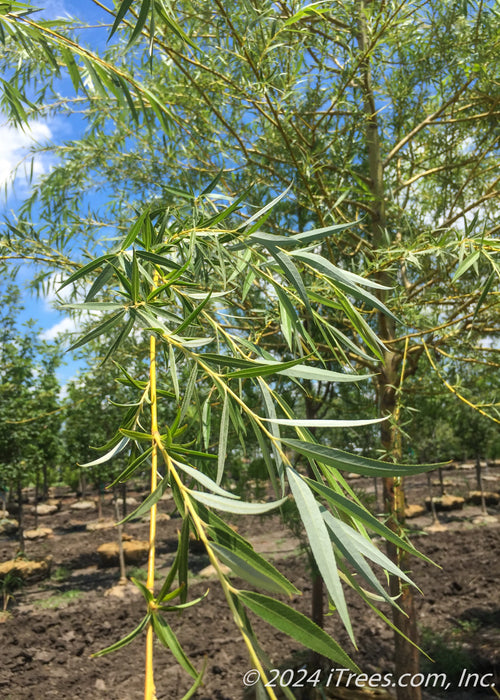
(54, 626)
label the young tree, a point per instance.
(29, 411)
(380, 113)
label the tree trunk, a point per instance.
(479, 478)
(20, 514)
(406, 659)
(121, 555)
(37, 489)
(45, 482)
(406, 655)
(124, 499)
(83, 485)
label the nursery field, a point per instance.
(54, 625)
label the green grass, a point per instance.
(58, 600)
(61, 574)
(447, 653)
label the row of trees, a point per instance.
(378, 123)
(46, 427)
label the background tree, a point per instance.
(30, 419)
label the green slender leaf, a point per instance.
(131, 468)
(206, 422)
(167, 637)
(135, 230)
(126, 640)
(188, 392)
(159, 260)
(98, 330)
(164, 591)
(360, 515)
(173, 372)
(484, 294)
(223, 434)
(192, 342)
(122, 11)
(275, 431)
(141, 21)
(263, 369)
(213, 184)
(361, 326)
(220, 530)
(355, 463)
(150, 321)
(70, 63)
(355, 540)
(347, 281)
(148, 502)
(193, 315)
(102, 278)
(258, 215)
(266, 454)
(233, 506)
(466, 264)
(347, 548)
(292, 274)
(319, 541)
(148, 596)
(95, 306)
(322, 423)
(254, 569)
(204, 480)
(312, 9)
(120, 338)
(319, 234)
(214, 220)
(135, 280)
(183, 569)
(135, 434)
(271, 240)
(296, 625)
(198, 682)
(109, 455)
(173, 25)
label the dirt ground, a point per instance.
(55, 625)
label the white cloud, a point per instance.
(16, 145)
(67, 325)
(54, 295)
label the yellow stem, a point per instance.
(226, 587)
(454, 391)
(149, 685)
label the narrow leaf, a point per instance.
(126, 640)
(319, 541)
(223, 434)
(466, 264)
(204, 480)
(109, 455)
(348, 549)
(167, 637)
(148, 502)
(355, 463)
(296, 625)
(322, 423)
(233, 506)
(360, 514)
(98, 330)
(254, 569)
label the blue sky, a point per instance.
(15, 145)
